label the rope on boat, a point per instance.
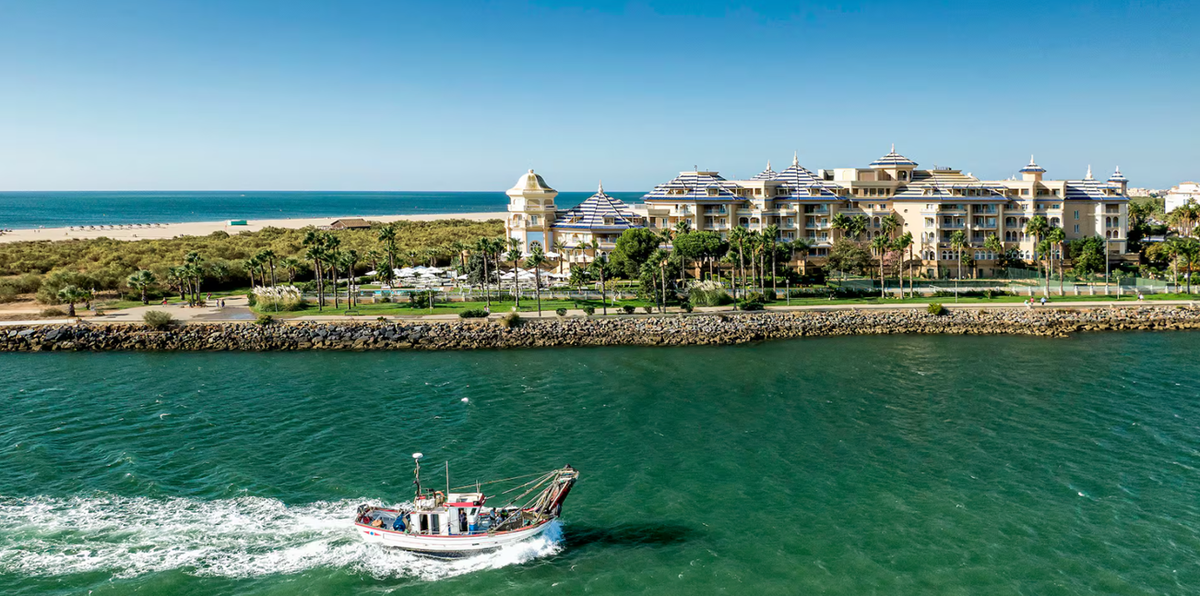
(501, 480)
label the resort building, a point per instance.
(931, 204)
(1178, 196)
(579, 232)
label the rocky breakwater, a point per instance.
(725, 328)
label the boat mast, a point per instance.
(447, 479)
(417, 473)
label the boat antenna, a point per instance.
(447, 479)
(417, 473)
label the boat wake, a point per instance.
(245, 537)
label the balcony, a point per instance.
(952, 226)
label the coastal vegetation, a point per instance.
(287, 271)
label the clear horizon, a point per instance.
(417, 97)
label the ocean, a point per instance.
(839, 466)
(19, 210)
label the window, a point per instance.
(1076, 217)
(1076, 226)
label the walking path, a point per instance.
(238, 311)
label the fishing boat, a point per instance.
(456, 524)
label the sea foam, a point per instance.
(245, 537)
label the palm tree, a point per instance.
(267, 256)
(1189, 251)
(881, 245)
(890, 224)
(1057, 237)
(901, 244)
(387, 236)
(349, 260)
(315, 241)
(1174, 248)
(177, 279)
(1037, 226)
(332, 258)
(993, 244)
(70, 294)
(958, 241)
(536, 259)
(251, 265)
(290, 264)
(458, 248)
(599, 261)
(754, 241)
(141, 280)
(737, 239)
(514, 256)
(483, 247)
(316, 254)
(770, 236)
(560, 248)
(195, 265)
(840, 222)
(803, 247)
(858, 225)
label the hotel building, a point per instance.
(931, 204)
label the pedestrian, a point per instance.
(1043, 301)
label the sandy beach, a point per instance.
(204, 228)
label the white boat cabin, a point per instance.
(460, 514)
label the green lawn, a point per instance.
(1126, 297)
(172, 299)
(402, 308)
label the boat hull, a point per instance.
(449, 546)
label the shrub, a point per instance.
(562, 312)
(381, 319)
(750, 305)
(53, 313)
(8, 293)
(419, 299)
(687, 307)
(756, 297)
(628, 309)
(264, 319)
(770, 295)
(589, 310)
(709, 293)
(152, 295)
(511, 320)
(250, 298)
(473, 313)
(278, 298)
(158, 320)
(937, 309)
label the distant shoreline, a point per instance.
(131, 232)
(30, 210)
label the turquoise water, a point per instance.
(56, 209)
(869, 465)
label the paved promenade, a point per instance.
(237, 311)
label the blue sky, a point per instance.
(392, 95)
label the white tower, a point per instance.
(531, 211)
